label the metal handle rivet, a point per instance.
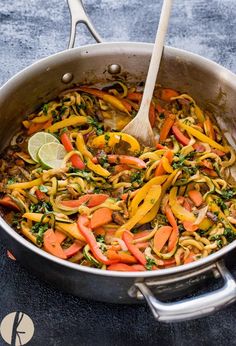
(67, 77)
(114, 68)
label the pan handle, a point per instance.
(78, 15)
(193, 307)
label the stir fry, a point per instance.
(73, 184)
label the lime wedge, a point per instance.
(37, 140)
(51, 155)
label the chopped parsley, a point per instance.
(45, 109)
(99, 127)
(136, 177)
(150, 263)
(100, 239)
(41, 207)
(39, 228)
(43, 188)
(229, 234)
(11, 180)
(228, 193)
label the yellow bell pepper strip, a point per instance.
(25, 230)
(72, 120)
(110, 139)
(114, 101)
(26, 123)
(153, 212)
(180, 212)
(25, 185)
(166, 165)
(86, 231)
(143, 192)
(203, 138)
(98, 169)
(150, 199)
(128, 239)
(41, 119)
(70, 229)
(205, 224)
(81, 146)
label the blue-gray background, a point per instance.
(30, 30)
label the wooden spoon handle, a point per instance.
(156, 56)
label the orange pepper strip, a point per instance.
(160, 169)
(114, 101)
(86, 231)
(128, 239)
(166, 126)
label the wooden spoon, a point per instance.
(140, 126)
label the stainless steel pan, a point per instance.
(210, 84)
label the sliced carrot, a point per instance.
(110, 235)
(74, 248)
(100, 217)
(209, 128)
(190, 258)
(166, 94)
(180, 136)
(7, 202)
(140, 268)
(128, 239)
(91, 200)
(196, 197)
(60, 236)
(189, 226)
(99, 231)
(122, 267)
(51, 244)
(10, 255)
(168, 262)
(161, 237)
(166, 126)
(170, 217)
(160, 169)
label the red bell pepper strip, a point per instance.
(86, 231)
(40, 195)
(180, 136)
(75, 159)
(90, 200)
(74, 248)
(128, 239)
(124, 159)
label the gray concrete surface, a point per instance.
(30, 30)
